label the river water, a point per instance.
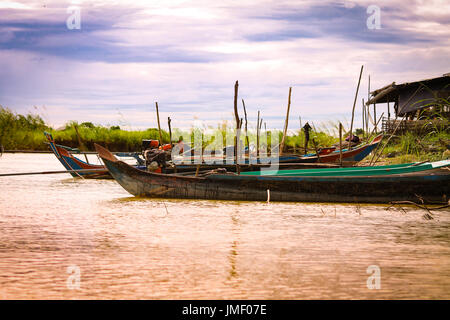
(65, 238)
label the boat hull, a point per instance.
(431, 186)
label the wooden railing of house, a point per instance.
(418, 126)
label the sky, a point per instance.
(187, 55)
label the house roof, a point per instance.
(390, 92)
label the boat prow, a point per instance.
(105, 153)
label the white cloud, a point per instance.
(212, 41)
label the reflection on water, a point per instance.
(129, 247)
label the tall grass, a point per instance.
(25, 132)
(18, 132)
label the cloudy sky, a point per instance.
(187, 55)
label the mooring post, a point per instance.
(317, 151)
(159, 125)
(353, 110)
(286, 122)
(170, 129)
(340, 143)
(247, 143)
(257, 137)
(363, 114)
(236, 116)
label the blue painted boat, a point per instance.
(72, 163)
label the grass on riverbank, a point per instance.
(411, 147)
(19, 132)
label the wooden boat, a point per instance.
(348, 155)
(364, 184)
(72, 163)
(326, 155)
(80, 168)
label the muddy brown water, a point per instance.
(65, 238)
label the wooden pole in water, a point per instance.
(257, 136)
(353, 110)
(340, 143)
(317, 151)
(170, 129)
(366, 108)
(363, 114)
(246, 127)
(51, 172)
(368, 99)
(286, 122)
(267, 139)
(159, 125)
(260, 126)
(236, 116)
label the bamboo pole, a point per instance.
(267, 140)
(389, 139)
(317, 151)
(362, 114)
(379, 119)
(340, 143)
(51, 172)
(375, 115)
(366, 111)
(159, 125)
(79, 142)
(170, 129)
(236, 117)
(286, 122)
(246, 127)
(368, 98)
(353, 110)
(257, 136)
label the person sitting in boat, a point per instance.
(354, 138)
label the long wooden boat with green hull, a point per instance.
(382, 184)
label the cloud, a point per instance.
(187, 55)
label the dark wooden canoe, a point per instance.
(431, 185)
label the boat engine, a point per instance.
(155, 159)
